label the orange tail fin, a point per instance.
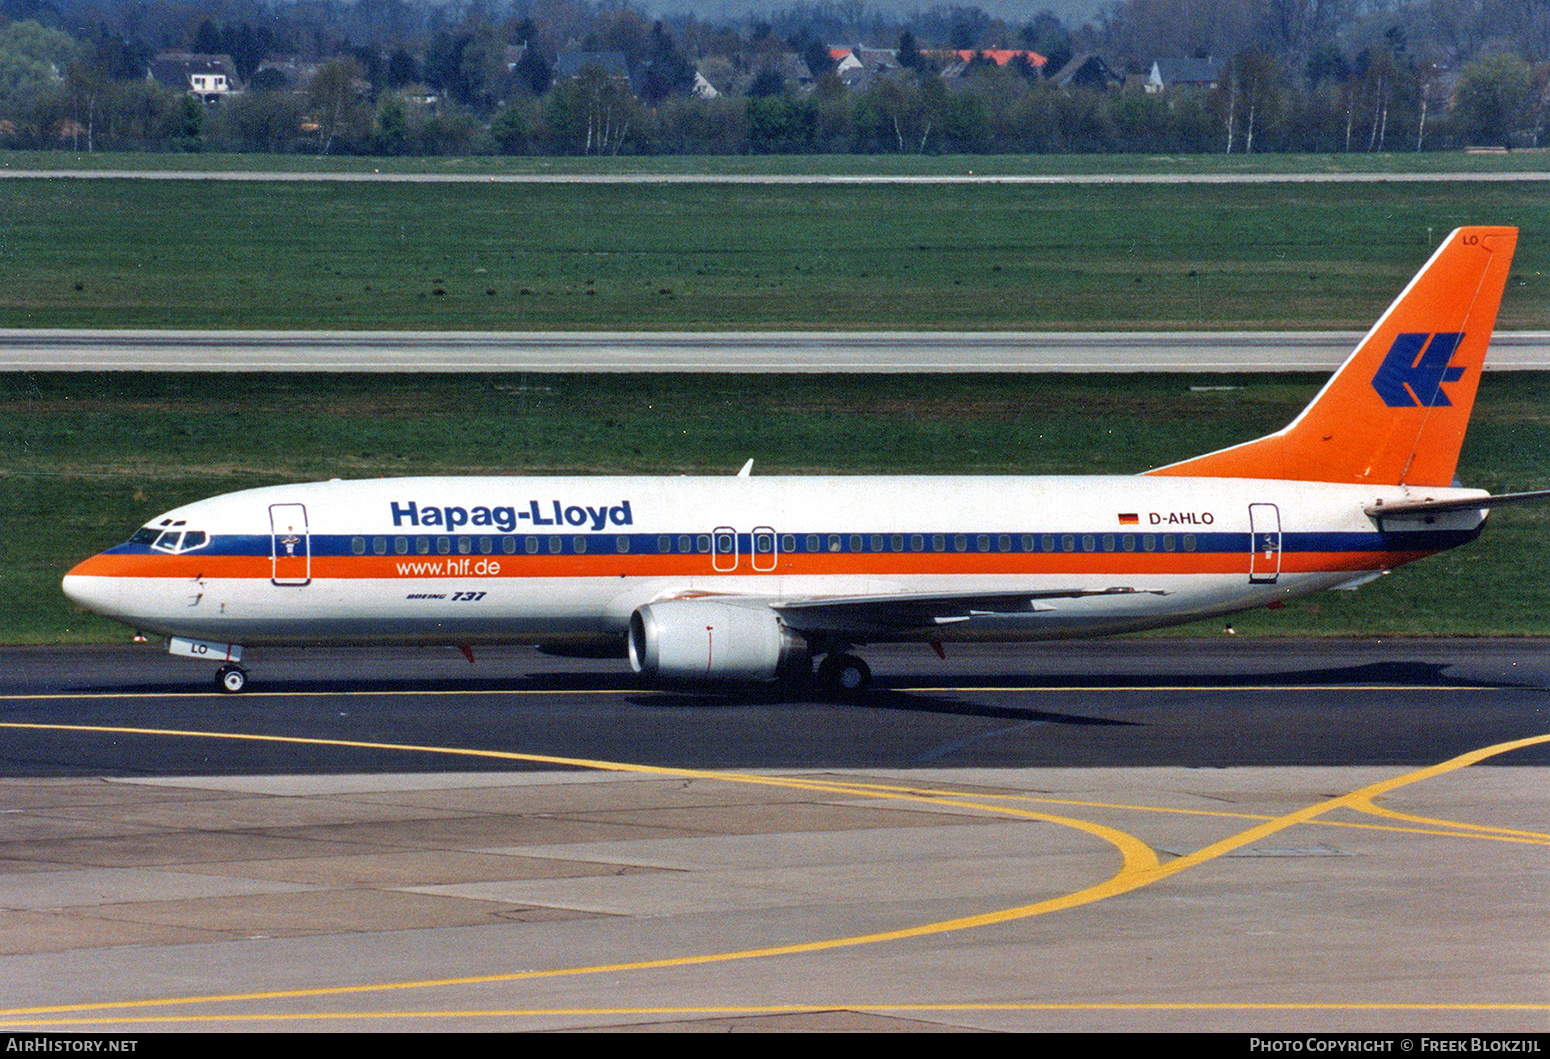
(1395, 412)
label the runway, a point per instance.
(1128, 834)
(763, 351)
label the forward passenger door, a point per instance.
(290, 545)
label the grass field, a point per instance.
(122, 253)
(84, 459)
(806, 164)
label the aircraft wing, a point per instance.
(916, 609)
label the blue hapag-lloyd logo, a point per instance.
(1413, 372)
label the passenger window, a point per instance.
(531, 546)
(1129, 542)
(1108, 542)
(702, 543)
(664, 545)
(422, 546)
(1004, 543)
(982, 543)
(855, 542)
(400, 545)
(685, 545)
(622, 544)
(379, 545)
(896, 542)
(556, 545)
(1189, 542)
(580, 545)
(443, 545)
(1168, 542)
(1089, 543)
(877, 542)
(834, 542)
(358, 545)
(509, 545)
(917, 543)
(788, 543)
(960, 543)
(938, 543)
(486, 546)
(465, 545)
(1149, 543)
(1068, 543)
(1048, 542)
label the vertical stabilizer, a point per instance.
(1396, 411)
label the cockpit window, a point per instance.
(174, 541)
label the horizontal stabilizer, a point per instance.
(1471, 503)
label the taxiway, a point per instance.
(1156, 834)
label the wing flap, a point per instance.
(912, 610)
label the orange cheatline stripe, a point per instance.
(414, 567)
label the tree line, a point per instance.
(488, 83)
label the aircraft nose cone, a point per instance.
(95, 593)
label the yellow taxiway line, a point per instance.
(1139, 868)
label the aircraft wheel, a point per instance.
(844, 675)
(231, 679)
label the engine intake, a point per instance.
(697, 639)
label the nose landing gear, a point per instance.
(231, 679)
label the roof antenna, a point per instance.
(747, 467)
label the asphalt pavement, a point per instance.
(742, 351)
(1216, 833)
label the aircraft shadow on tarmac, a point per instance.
(883, 695)
(699, 697)
(879, 698)
(1398, 674)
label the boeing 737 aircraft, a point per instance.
(748, 578)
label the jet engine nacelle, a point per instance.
(699, 639)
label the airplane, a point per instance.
(744, 578)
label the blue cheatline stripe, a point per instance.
(1037, 542)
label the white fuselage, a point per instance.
(554, 560)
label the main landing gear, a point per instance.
(843, 676)
(231, 679)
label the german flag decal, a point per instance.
(1128, 518)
